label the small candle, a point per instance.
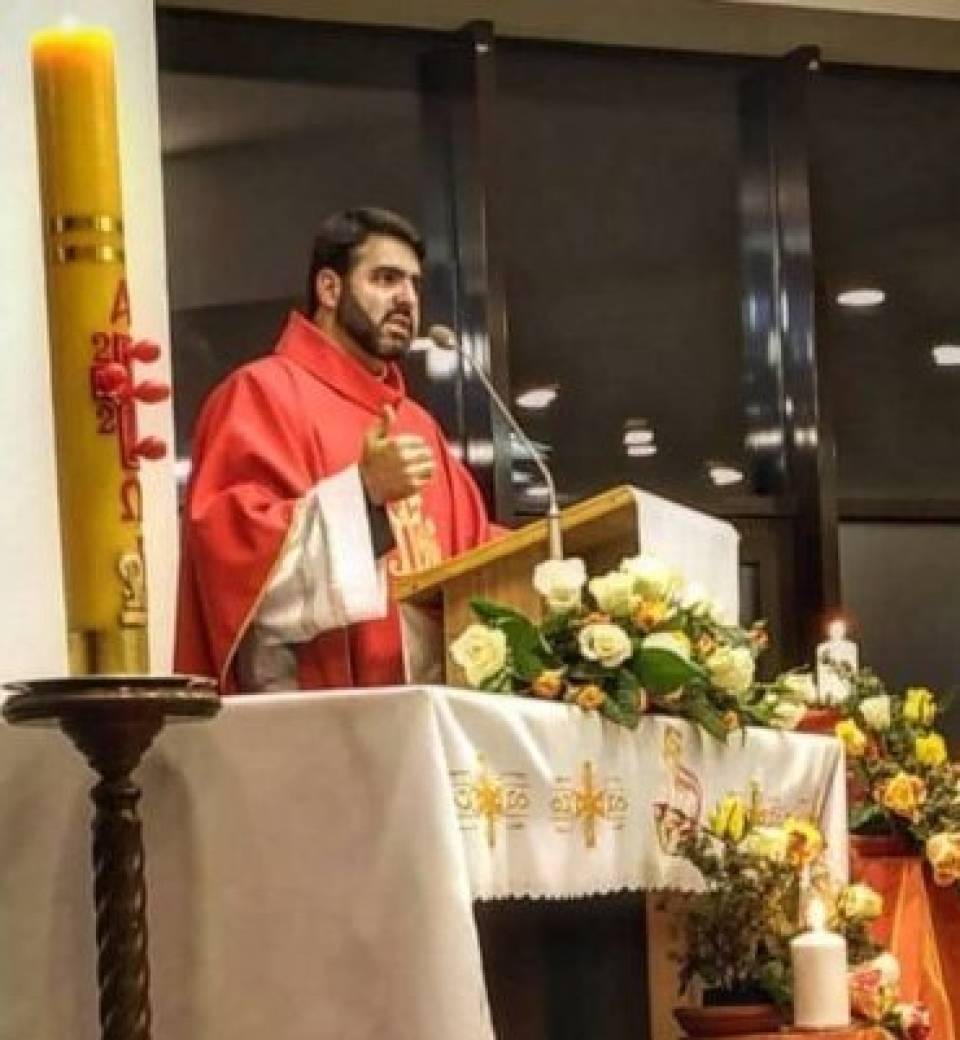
(821, 997)
(832, 655)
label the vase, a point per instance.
(819, 720)
(728, 1020)
(877, 846)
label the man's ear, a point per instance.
(329, 286)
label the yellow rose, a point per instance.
(860, 903)
(767, 843)
(729, 819)
(804, 841)
(590, 697)
(548, 684)
(903, 794)
(930, 750)
(854, 739)
(920, 706)
(481, 652)
(943, 851)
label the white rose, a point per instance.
(614, 593)
(787, 714)
(801, 685)
(560, 582)
(731, 668)
(481, 652)
(889, 968)
(697, 601)
(651, 576)
(766, 843)
(606, 643)
(673, 642)
(876, 711)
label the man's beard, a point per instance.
(366, 333)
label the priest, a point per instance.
(315, 478)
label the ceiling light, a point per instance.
(861, 298)
(638, 436)
(640, 451)
(421, 344)
(537, 491)
(946, 354)
(723, 474)
(537, 398)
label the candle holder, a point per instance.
(113, 720)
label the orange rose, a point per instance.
(650, 613)
(548, 684)
(590, 697)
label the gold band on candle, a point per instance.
(71, 222)
(88, 254)
(89, 321)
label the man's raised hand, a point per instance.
(393, 466)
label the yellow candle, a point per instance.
(88, 315)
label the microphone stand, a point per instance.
(445, 338)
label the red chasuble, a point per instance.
(266, 437)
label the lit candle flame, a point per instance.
(837, 630)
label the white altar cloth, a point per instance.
(312, 859)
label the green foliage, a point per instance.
(648, 651)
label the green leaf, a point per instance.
(529, 652)
(699, 710)
(661, 671)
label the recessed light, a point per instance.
(946, 354)
(638, 436)
(861, 298)
(537, 491)
(641, 451)
(537, 398)
(723, 474)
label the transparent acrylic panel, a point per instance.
(618, 178)
(886, 205)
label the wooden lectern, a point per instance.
(600, 530)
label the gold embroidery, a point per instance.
(418, 547)
(587, 803)
(682, 805)
(483, 796)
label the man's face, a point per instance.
(379, 305)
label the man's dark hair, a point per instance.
(341, 234)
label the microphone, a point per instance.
(445, 338)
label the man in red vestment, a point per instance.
(315, 477)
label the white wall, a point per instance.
(32, 628)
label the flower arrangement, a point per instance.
(902, 781)
(624, 643)
(758, 876)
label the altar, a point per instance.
(312, 860)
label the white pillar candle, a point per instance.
(821, 996)
(832, 686)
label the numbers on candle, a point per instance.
(106, 418)
(134, 589)
(102, 347)
(131, 500)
